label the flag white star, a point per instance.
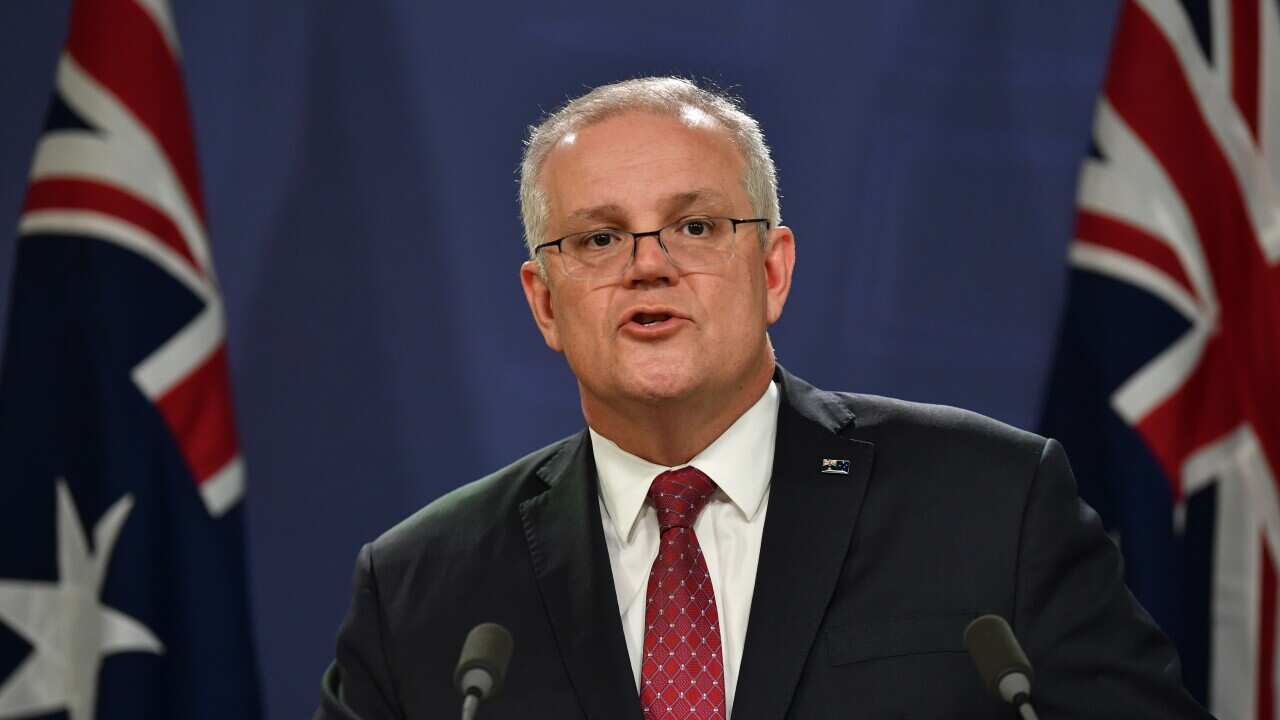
(69, 629)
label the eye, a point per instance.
(597, 241)
(697, 227)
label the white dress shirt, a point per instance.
(729, 528)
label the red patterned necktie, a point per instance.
(682, 675)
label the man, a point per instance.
(724, 538)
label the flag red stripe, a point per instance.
(1246, 28)
(1266, 630)
(1148, 89)
(1105, 231)
(78, 194)
(1204, 409)
(198, 413)
(120, 46)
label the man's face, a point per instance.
(638, 172)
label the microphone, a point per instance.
(1001, 663)
(482, 667)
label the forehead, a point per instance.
(637, 163)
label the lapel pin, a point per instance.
(835, 467)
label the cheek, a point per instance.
(738, 303)
(580, 323)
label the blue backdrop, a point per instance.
(359, 165)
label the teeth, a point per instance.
(646, 319)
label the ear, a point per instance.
(779, 263)
(537, 292)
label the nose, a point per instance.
(650, 263)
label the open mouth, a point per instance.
(653, 321)
(647, 319)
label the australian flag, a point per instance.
(122, 569)
(1166, 388)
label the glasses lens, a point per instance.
(597, 252)
(699, 243)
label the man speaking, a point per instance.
(725, 540)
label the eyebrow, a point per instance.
(685, 200)
(603, 213)
(610, 212)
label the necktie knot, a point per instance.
(679, 495)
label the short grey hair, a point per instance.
(673, 96)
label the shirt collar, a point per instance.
(740, 463)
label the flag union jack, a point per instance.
(127, 175)
(1173, 322)
(122, 581)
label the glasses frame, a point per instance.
(656, 234)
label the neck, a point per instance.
(672, 432)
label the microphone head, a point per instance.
(998, 655)
(482, 667)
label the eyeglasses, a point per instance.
(692, 244)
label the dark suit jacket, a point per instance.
(865, 584)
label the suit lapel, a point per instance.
(807, 534)
(571, 564)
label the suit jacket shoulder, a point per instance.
(893, 423)
(462, 518)
(939, 450)
(422, 585)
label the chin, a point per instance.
(660, 383)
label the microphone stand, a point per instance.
(472, 703)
